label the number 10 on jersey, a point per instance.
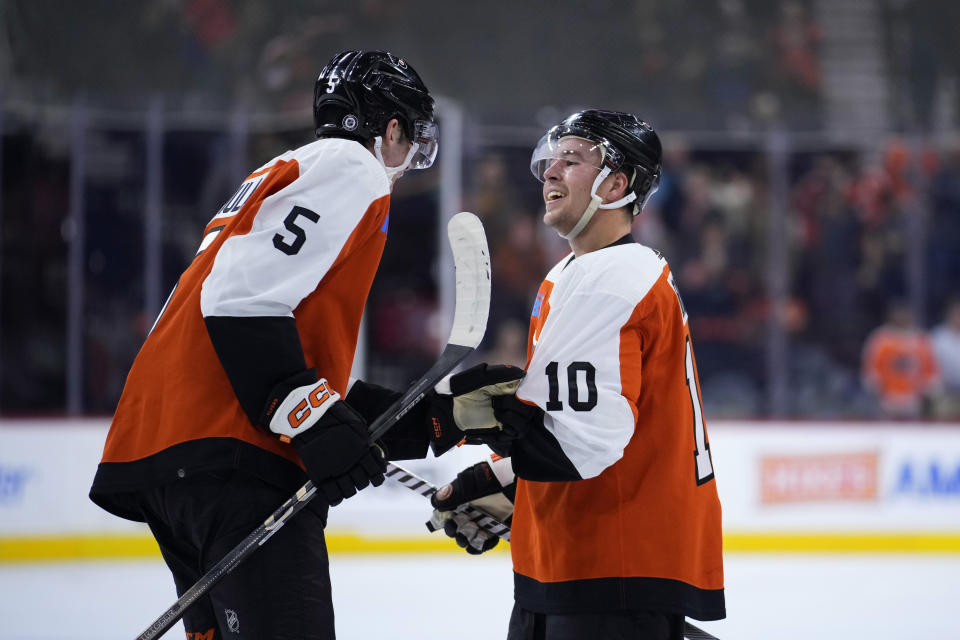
(582, 396)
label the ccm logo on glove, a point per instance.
(302, 407)
(317, 396)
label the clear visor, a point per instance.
(568, 150)
(427, 136)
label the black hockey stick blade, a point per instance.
(471, 258)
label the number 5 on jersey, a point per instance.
(291, 247)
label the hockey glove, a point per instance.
(469, 406)
(516, 416)
(487, 486)
(408, 439)
(329, 436)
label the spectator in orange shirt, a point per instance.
(899, 365)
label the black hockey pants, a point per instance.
(280, 592)
(615, 625)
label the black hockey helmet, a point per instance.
(626, 144)
(358, 92)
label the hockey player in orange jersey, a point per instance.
(241, 391)
(606, 466)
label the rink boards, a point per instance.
(785, 487)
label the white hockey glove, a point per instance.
(487, 486)
(465, 401)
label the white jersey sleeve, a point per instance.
(297, 234)
(574, 373)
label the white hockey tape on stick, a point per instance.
(471, 260)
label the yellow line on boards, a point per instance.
(842, 542)
(27, 549)
(133, 546)
(437, 543)
(56, 548)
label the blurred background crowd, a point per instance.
(809, 205)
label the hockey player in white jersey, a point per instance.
(241, 391)
(602, 451)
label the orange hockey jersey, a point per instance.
(302, 237)
(900, 366)
(611, 364)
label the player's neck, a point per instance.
(605, 229)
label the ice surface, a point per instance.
(438, 597)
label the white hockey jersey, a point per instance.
(302, 237)
(611, 364)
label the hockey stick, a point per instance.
(471, 259)
(425, 488)
(692, 632)
(493, 526)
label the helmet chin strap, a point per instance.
(596, 202)
(393, 172)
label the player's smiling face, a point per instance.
(568, 180)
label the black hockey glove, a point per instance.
(516, 416)
(408, 439)
(329, 436)
(470, 406)
(489, 487)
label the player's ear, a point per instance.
(617, 185)
(394, 132)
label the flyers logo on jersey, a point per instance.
(538, 316)
(316, 398)
(537, 305)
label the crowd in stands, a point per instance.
(850, 248)
(716, 64)
(857, 224)
(871, 316)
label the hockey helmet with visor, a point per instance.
(609, 141)
(358, 92)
